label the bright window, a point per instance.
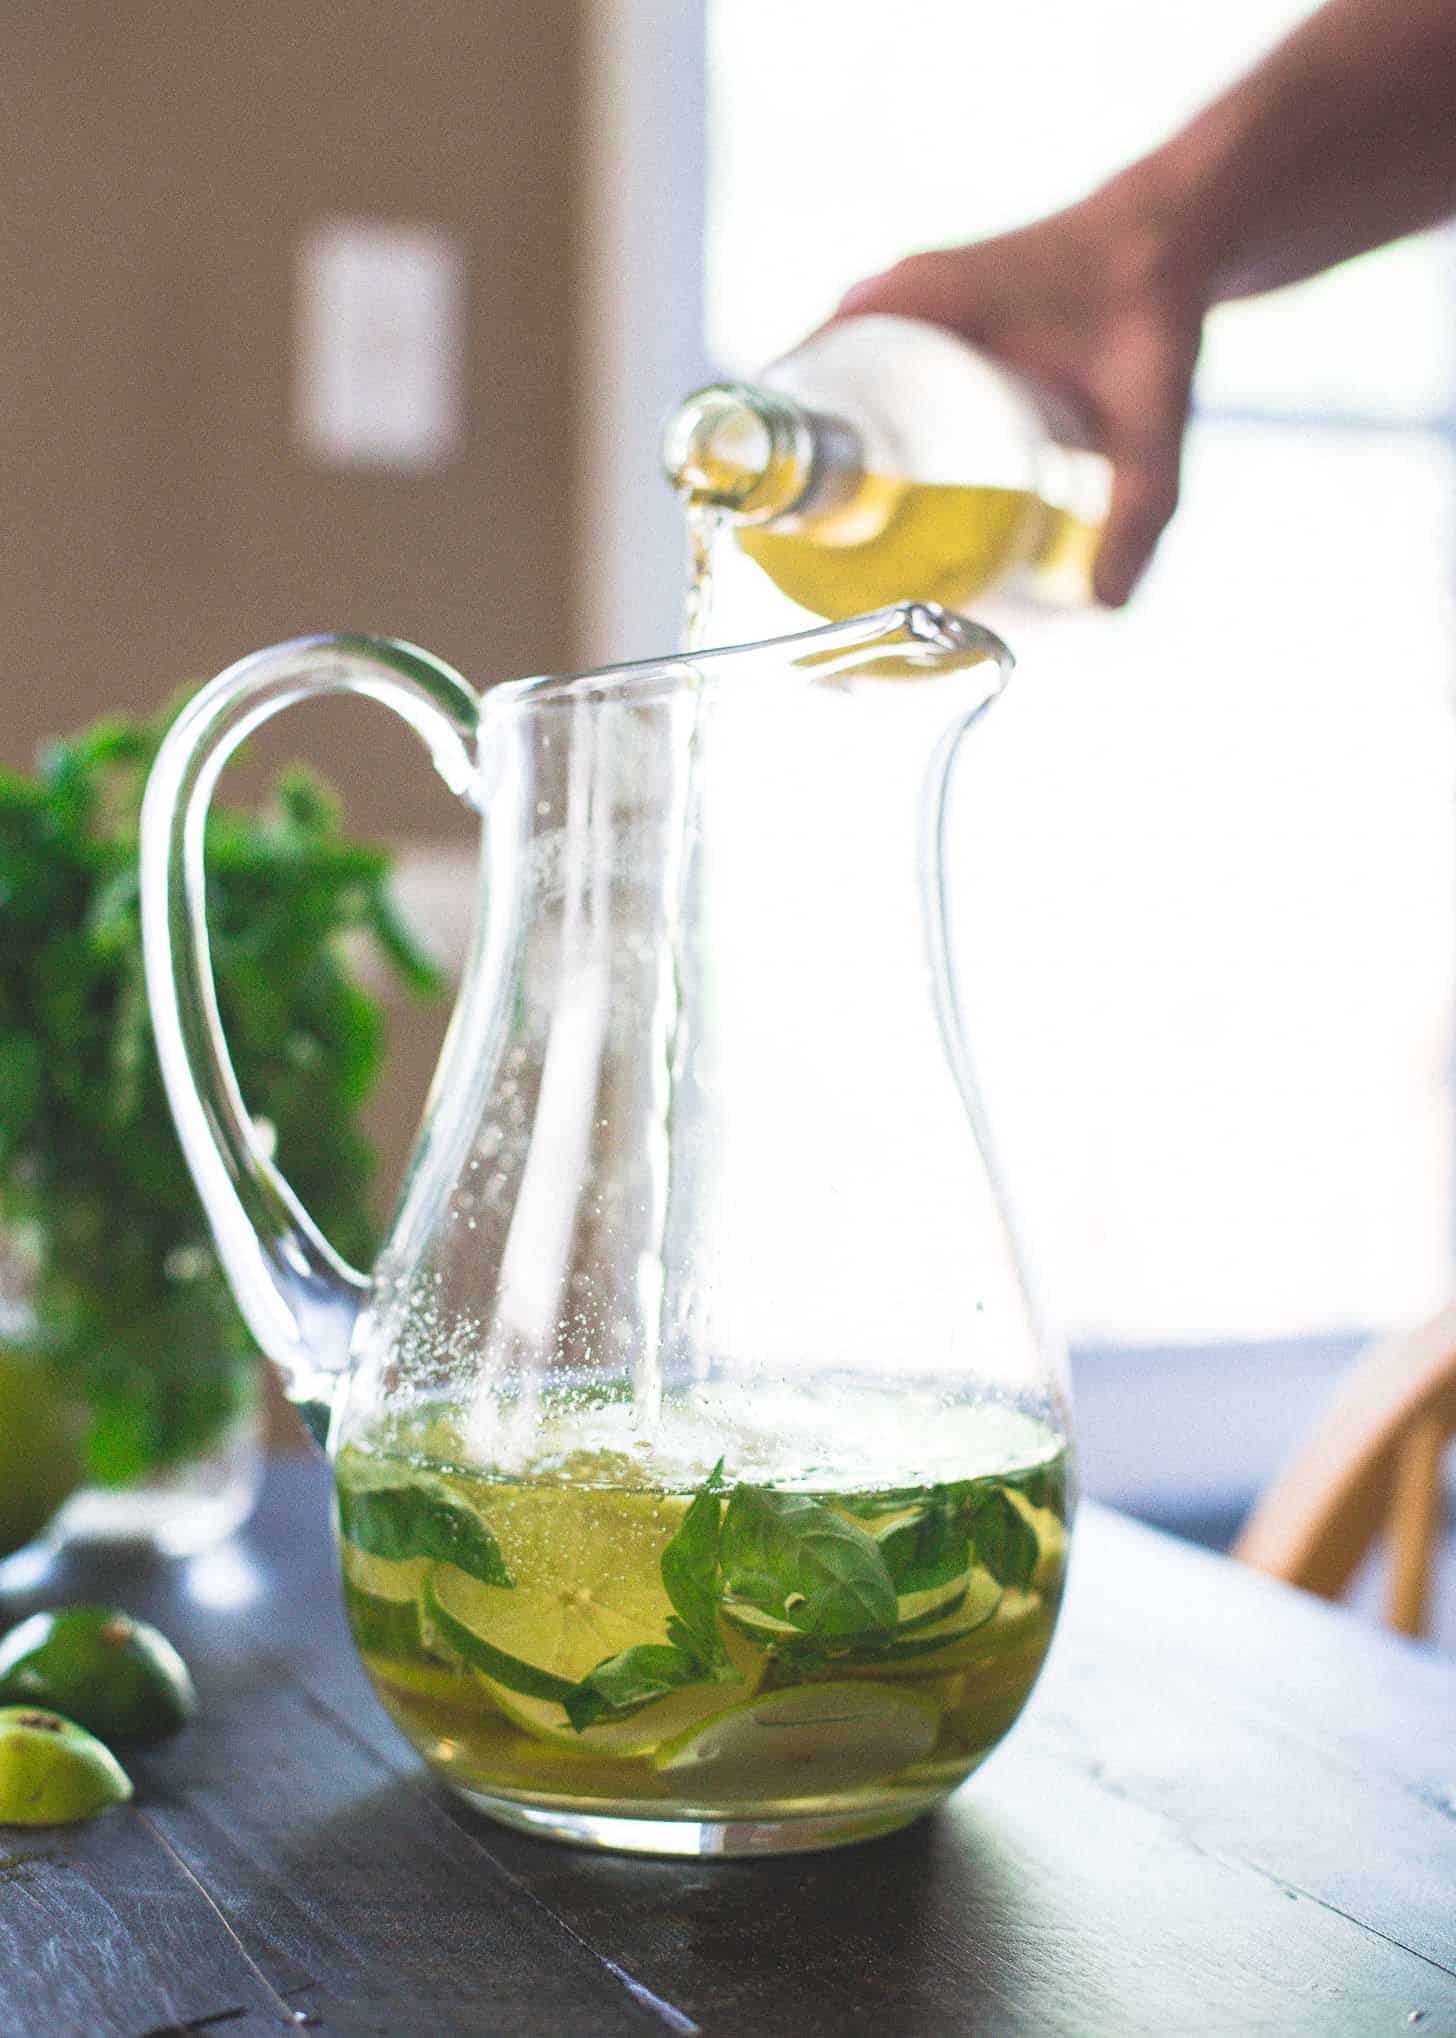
(1214, 941)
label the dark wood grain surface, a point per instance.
(1229, 1810)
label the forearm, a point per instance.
(1342, 139)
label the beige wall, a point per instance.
(159, 162)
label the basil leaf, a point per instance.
(681, 1637)
(626, 1682)
(398, 1522)
(801, 1562)
(1005, 1540)
(1044, 1486)
(20, 1076)
(932, 1548)
(85, 1132)
(508, 1670)
(690, 1570)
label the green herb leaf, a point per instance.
(160, 1359)
(1043, 1486)
(933, 1547)
(624, 1683)
(20, 1074)
(417, 1520)
(1005, 1540)
(801, 1562)
(508, 1670)
(681, 1637)
(690, 1569)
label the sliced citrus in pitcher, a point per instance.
(587, 1566)
(587, 1579)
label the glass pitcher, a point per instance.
(701, 1463)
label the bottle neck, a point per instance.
(757, 454)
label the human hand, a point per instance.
(1088, 304)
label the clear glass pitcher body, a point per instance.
(702, 1466)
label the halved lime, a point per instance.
(809, 1741)
(53, 1772)
(117, 1676)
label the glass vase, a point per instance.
(56, 1487)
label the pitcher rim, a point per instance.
(942, 632)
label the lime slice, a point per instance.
(449, 1594)
(384, 1577)
(919, 1647)
(587, 1566)
(382, 1599)
(588, 1583)
(113, 1675)
(922, 1607)
(1051, 1536)
(663, 1719)
(809, 1741)
(383, 1627)
(53, 1772)
(413, 1676)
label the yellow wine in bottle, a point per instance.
(886, 461)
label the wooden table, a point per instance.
(1229, 1810)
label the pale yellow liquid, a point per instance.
(925, 542)
(584, 1534)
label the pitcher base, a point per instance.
(722, 1839)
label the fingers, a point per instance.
(1038, 303)
(1144, 498)
(1143, 423)
(936, 287)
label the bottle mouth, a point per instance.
(742, 450)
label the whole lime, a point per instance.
(40, 1449)
(117, 1676)
(53, 1772)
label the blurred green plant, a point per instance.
(136, 1324)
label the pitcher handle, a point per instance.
(299, 1298)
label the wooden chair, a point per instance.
(1375, 1461)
